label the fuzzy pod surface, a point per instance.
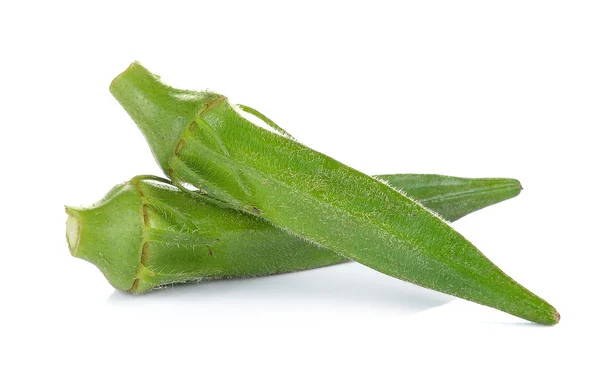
(146, 233)
(200, 139)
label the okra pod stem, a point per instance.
(199, 139)
(147, 233)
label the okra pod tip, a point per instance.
(454, 197)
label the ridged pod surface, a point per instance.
(199, 138)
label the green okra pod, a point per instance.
(147, 233)
(199, 139)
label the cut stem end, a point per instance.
(72, 230)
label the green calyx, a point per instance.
(152, 104)
(109, 234)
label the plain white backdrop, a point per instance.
(465, 88)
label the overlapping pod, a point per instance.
(147, 233)
(198, 138)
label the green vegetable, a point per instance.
(199, 139)
(147, 233)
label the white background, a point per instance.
(466, 88)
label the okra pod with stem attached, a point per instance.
(147, 233)
(199, 139)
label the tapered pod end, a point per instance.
(552, 319)
(537, 310)
(109, 235)
(455, 197)
(161, 112)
